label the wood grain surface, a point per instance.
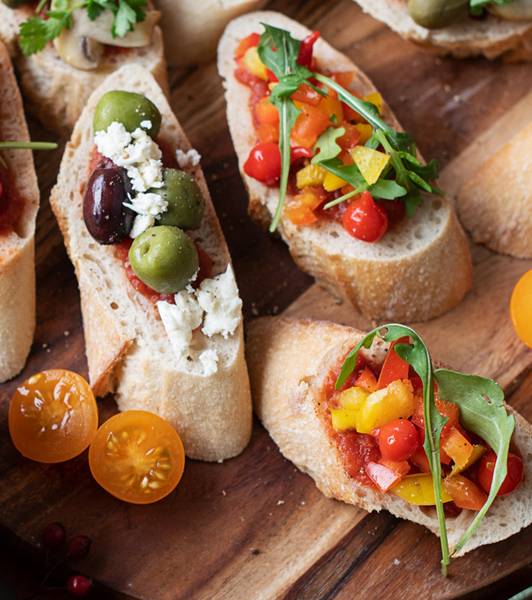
(255, 527)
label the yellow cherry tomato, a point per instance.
(53, 416)
(521, 308)
(137, 457)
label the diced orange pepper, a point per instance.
(310, 124)
(267, 132)
(457, 447)
(366, 380)
(332, 107)
(464, 492)
(300, 214)
(306, 95)
(265, 112)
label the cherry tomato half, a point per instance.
(137, 457)
(398, 440)
(364, 219)
(521, 308)
(53, 416)
(264, 163)
(513, 477)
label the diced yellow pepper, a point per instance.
(366, 131)
(332, 182)
(457, 447)
(310, 175)
(375, 98)
(396, 401)
(254, 64)
(350, 402)
(370, 162)
(418, 489)
(478, 451)
(343, 419)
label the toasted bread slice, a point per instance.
(127, 346)
(404, 276)
(56, 91)
(289, 360)
(17, 256)
(494, 204)
(491, 37)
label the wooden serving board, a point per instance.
(255, 527)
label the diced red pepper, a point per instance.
(367, 380)
(394, 366)
(305, 49)
(382, 476)
(307, 95)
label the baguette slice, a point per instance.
(190, 38)
(127, 347)
(490, 37)
(495, 203)
(403, 277)
(17, 255)
(289, 360)
(56, 92)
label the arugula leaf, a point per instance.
(327, 146)
(417, 355)
(387, 189)
(482, 411)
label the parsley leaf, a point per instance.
(129, 12)
(327, 146)
(35, 32)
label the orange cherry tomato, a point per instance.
(464, 492)
(521, 308)
(53, 416)
(137, 457)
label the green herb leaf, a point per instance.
(13, 145)
(327, 146)
(36, 32)
(417, 355)
(476, 7)
(387, 189)
(482, 411)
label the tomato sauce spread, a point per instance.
(11, 203)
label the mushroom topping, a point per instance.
(101, 29)
(79, 51)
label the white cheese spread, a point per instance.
(188, 159)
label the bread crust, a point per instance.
(17, 256)
(55, 91)
(127, 347)
(288, 362)
(492, 37)
(494, 204)
(408, 282)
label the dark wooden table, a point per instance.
(255, 527)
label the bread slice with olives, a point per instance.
(403, 276)
(17, 255)
(128, 349)
(290, 362)
(58, 79)
(491, 36)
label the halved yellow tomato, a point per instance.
(53, 416)
(521, 308)
(137, 457)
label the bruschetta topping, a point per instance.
(82, 31)
(329, 152)
(430, 436)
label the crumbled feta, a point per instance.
(113, 140)
(219, 299)
(145, 124)
(215, 304)
(148, 203)
(190, 158)
(140, 224)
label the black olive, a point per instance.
(104, 213)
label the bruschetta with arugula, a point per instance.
(462, 28)
(64, 50)
(326, 164)
(162, 315)
(377, 424)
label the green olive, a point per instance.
(164, 258)
(185, 200)
(127, 108)
(433, 14)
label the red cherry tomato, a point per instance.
(364, 220)
(398, 440)
(514, 474)
(264, 163)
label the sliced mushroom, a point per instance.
(79, 51)
(517, 10)
(101, 29)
